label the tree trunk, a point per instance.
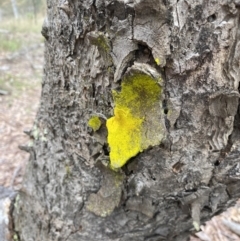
(15, 9)
(155, 83)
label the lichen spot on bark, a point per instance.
(95, 123)
(157, 60)
(135, 112)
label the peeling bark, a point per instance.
(166, 191)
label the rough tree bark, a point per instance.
(175, 182)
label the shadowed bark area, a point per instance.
(167, 190)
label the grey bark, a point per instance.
(167, 191)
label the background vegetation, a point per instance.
(30, 8)
(14, 31)
(21, 61)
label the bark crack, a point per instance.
(132, 23)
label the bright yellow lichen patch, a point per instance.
(124, 136)
(157, 60)
(94, 123)
(136, 107)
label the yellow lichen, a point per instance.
(124, 136)
(157, 60)
(95, 123)
(132, 128)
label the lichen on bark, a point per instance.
(95, 123)
(137, 121)
(187, 179)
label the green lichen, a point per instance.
(17, 199)
(196, 225)
(43, 138)
(15, 237)
(45, 131)
(68, 170)
(95, 123)
(38, 134)
(108, 197)
(35, 132)
(30, 144)
(136, 121)
(101, 41)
